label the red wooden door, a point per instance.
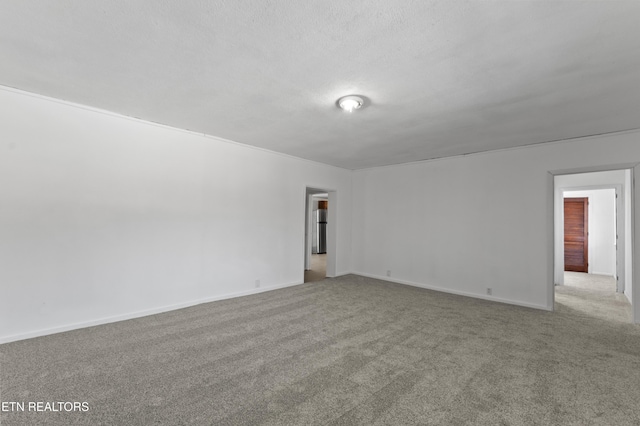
(576, 234)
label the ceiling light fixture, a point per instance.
(350, 103)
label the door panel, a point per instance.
(576, 235)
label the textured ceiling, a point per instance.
(442, 78)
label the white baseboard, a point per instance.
(167, 308)
(456, 292)
(137, 314)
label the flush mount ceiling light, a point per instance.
(350, 103)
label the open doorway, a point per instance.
(317, 269)
(592, 222)
(320, 234)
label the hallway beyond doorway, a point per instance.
(318, 269)
(590, 281)
(592, 295)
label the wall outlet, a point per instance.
(388, 272)
(257, 283)
(489, 291)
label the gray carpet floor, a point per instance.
(343, 351)
(596, 282)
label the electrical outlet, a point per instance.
(489, 291)
(257, 283)
(388, 272)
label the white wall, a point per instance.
(601, 227)
(104, 217)
(467, 223)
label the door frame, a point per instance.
(554, 196)
(332, 228)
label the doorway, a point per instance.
(320, 234)
(592, 240)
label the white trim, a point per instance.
(155, 124)
(308, 230)
(332, 227)
(332, 235)
(594, 169)
(456, 292)
(217, 138)
(635, 245)
(491, 151)
(551, 241)
(138, 314)
(634, 232)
